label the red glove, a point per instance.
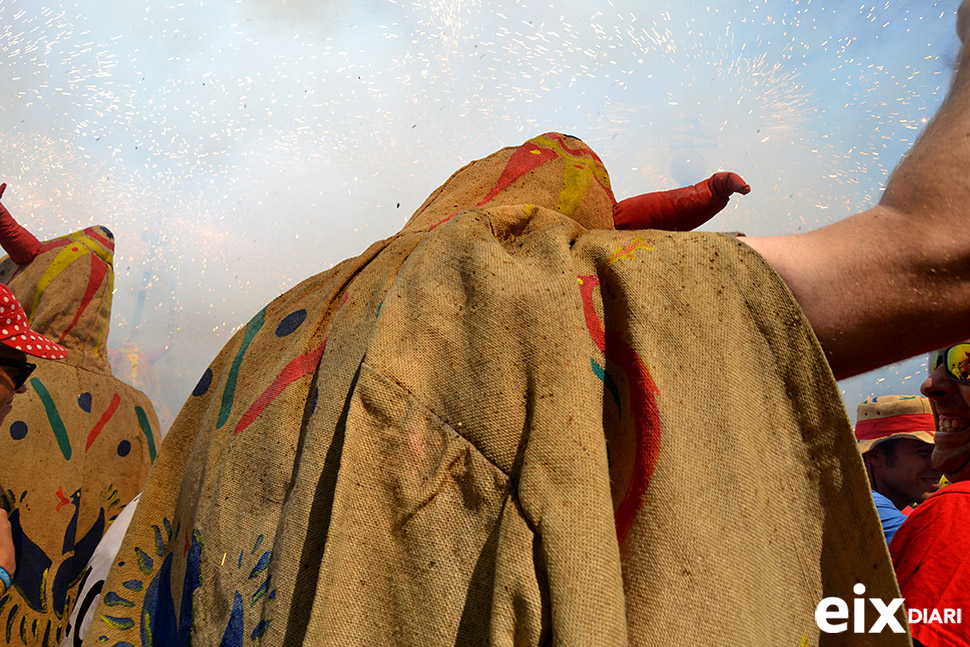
(20, 244)
(679, 209)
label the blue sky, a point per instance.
(237, 147)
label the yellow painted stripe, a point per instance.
(63, 260)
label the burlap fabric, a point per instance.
(77, 446)
(440, 441)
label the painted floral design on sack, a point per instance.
(154, 620)
(297, 368)
(40, 590)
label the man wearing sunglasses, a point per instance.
(931, 550)
(14, 371)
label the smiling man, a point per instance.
(948, 387)
(895, 435)
(931, 551)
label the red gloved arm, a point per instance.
(20, 244)
(679, 209)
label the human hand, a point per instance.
(7, 556)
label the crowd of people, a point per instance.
(502, 426)
(930, 549)
(921, 511)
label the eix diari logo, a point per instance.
(832, 614)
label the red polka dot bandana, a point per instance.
(16, 333)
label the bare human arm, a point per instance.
(7, 557)
(894, 281)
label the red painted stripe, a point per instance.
(643, 404)
(98, 271)
(587, 285)
(442, 221)
(105, 417)
(579, 152)
(528, 157)
(299, 366)
(646, 421)
(93, 233)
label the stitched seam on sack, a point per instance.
(412, 397)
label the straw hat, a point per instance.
(893, 416)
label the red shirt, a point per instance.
(931, 554)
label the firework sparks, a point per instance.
(236, 148)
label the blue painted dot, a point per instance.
(203, 384)
(84, 401)
(313, 406)
(123, 448)
(18, 430)
(290, 323)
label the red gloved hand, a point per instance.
(726, 183)
(20, 244)
(679, 209)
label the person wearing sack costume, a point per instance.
(79, 443)
(17, 340)
(512, 423)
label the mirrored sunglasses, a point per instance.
(955, 360)
(21, 370)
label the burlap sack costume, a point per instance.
(77, 446)
(440, 441)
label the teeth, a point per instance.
(952, 425)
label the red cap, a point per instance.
(15, 332)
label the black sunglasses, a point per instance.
(22, 370)
(955, 360)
